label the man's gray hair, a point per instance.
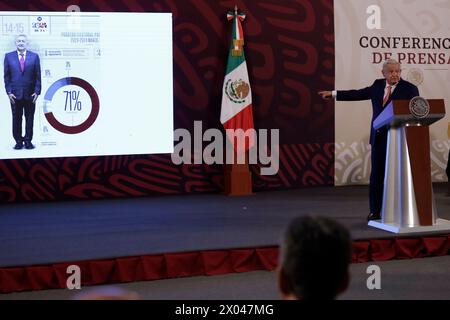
(21, 35)
(391, 61)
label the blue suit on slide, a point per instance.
(22, 84)
(378, 138)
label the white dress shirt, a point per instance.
(24, 54)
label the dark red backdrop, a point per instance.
(290, 53)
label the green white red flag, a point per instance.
(236, 111)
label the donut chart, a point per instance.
(55, 123)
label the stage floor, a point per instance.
(44, 233)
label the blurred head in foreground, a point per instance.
(315, 258)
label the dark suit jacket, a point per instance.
(404, 91)
(22, 84)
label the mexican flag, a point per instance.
(236, 112)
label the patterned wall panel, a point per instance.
(290, 53)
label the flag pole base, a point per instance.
(237, 180)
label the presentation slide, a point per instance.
(105, 80)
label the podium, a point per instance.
(408, 201)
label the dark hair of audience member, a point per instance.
(315, 259)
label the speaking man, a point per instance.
(381, 93)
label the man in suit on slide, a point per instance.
(381, 93)
(22, 75)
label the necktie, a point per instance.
(22, 62)
(387, 96)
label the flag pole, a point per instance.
(237, 180)
(237, 177)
